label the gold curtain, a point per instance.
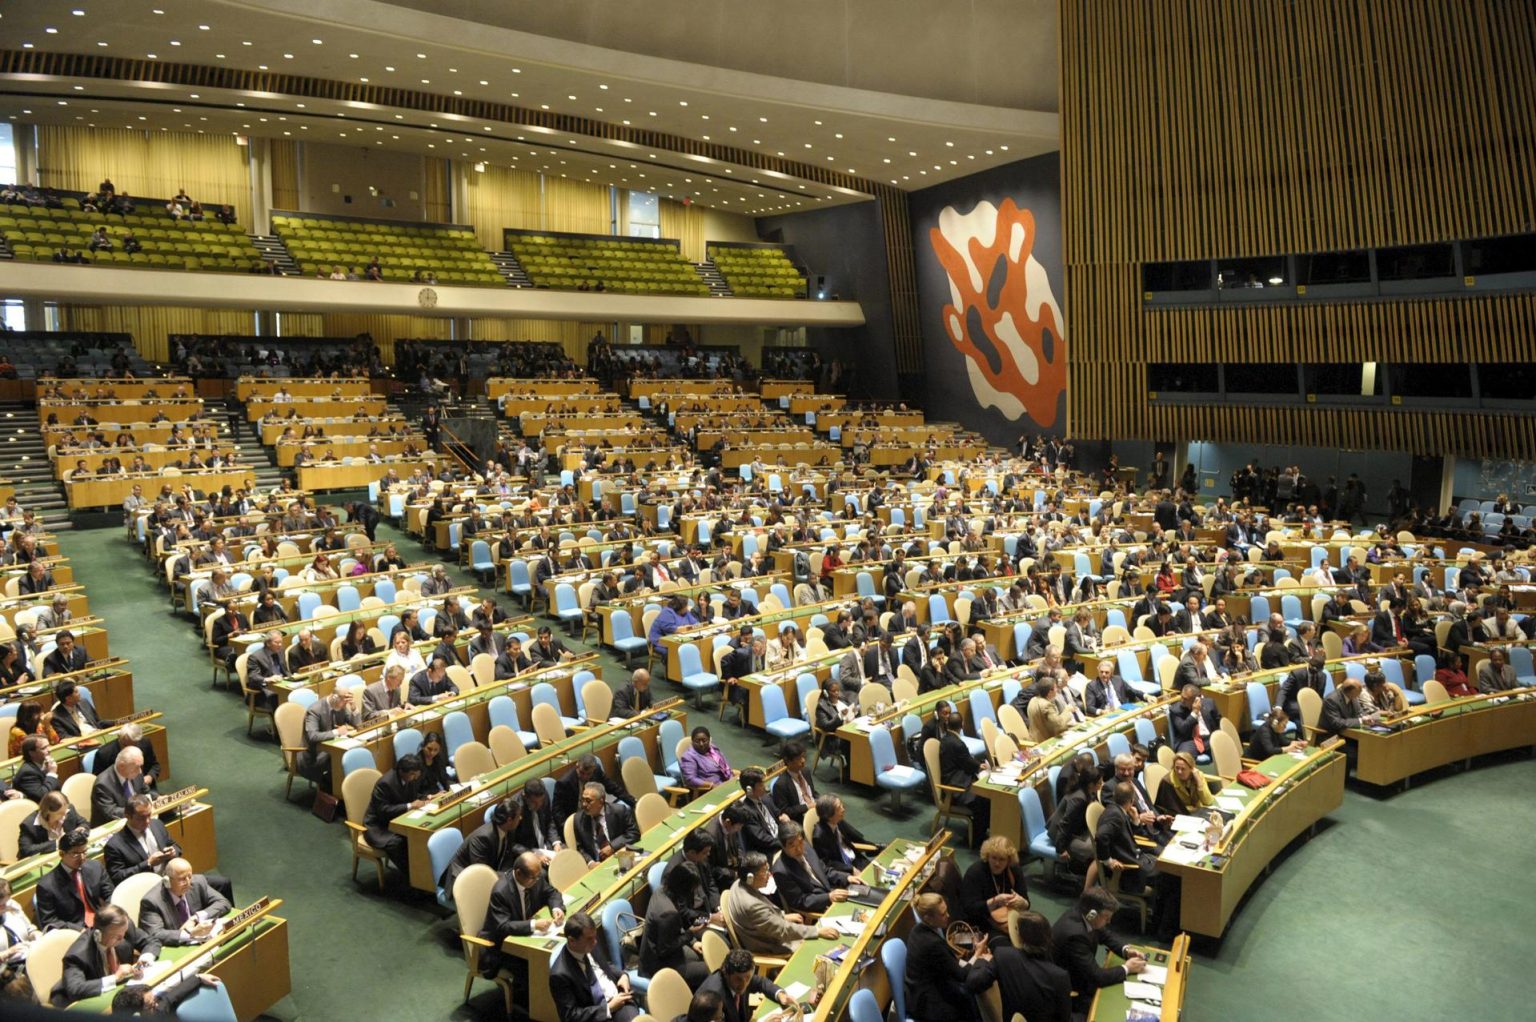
(212, 168)
(284, 161)
(384, 328)
(436, 199)
(302, 324)
(576, 206)
(686, 224)
(502, 198)
(152, 325)
(571, 335)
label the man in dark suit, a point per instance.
(1192, 667)
(492, 844)
(840, 634)
(584, 985)
(329, 718)
(181, 911)
(635, 698)
(804, 884)
(110, 952)
(397, 792)
(1192, 721)
(794, 791)
(1313, 675)
(266, 662)
(763, 820)
(73, 714)
(67, 657)
(604, 824)
(512, 661)
(38, 774)
(1076, 938)
(69, 895)
(547, 649)
(1144, 818)
(727, 848)
(698, 853)
(231, 623)
(520, 894)
(143, 845)
(129, 736)
(880, 661)
(1189, 620)
(538, 832)
(1030, 984)
(914, 652)
(1115, 843)
(306, 652)
(735, 982)
(1108, 690)
(114, 788)
(839, 844)
(1040, 635)
(588, 769)
(428, 686)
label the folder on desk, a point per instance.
(862, 894)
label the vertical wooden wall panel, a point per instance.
(1202, 129)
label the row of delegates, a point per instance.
(1036, 979)
(76, 895)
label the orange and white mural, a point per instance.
(1002, 315)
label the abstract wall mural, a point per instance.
(1002, 314)
(989, 263)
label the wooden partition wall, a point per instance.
(1203, 129)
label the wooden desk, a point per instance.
(251, 962)
(271, 429)
(109, 683)
(247, 387)
(793, 454)
(1303, 790)
(142, 432)
(1433, 736)
(134, 411)
(66, 463)
(1110, 1003)
(113, 490)
(68, 752)
(496, 386)
(317, 407)
(357, 476)
(347, 447)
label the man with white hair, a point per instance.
(306, 652)
(56, 615)
(130, 736)
(115, 787)
(332, 717)
(266, 664)
(181, 910)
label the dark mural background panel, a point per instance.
(989, 277)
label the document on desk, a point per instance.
(1183, 854)
(1227, 804)
(846, 925)
(1155, 974)
(349, 743)
(1190, 824)
(1143, 991)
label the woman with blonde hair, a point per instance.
(1184, 791)
(993, 887)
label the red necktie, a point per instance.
(111, 961)
(90, 911)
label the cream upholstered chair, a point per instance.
(472, 900)
(944, 810)
(566, 868)
(1311, 705)
(289, 721)
(597, 697)
(356, 792)
(45, 960)
(473, 759)
(650, 809)
(638, 779)
(1227, 754)
(77, 788)
(1435, 692)
(128, 894)
(12, 815)
(668, 995)
(506, 746)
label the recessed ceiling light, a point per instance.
(763, 119)
(318, 42)
(682, 102)
(911, 152)
(220, 56)
(388, 68)
(156, 11)
(101, 44)
(352, 55)
(51, 31)
(78, 13)
(1003, 148)
(421, 56)
(245, 42)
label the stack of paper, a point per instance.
(1143, 992)
(1228, 804)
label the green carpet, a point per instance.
(1390, 911)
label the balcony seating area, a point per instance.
(623, 265)
(758, 272)
(450, 253)
(34, 234)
